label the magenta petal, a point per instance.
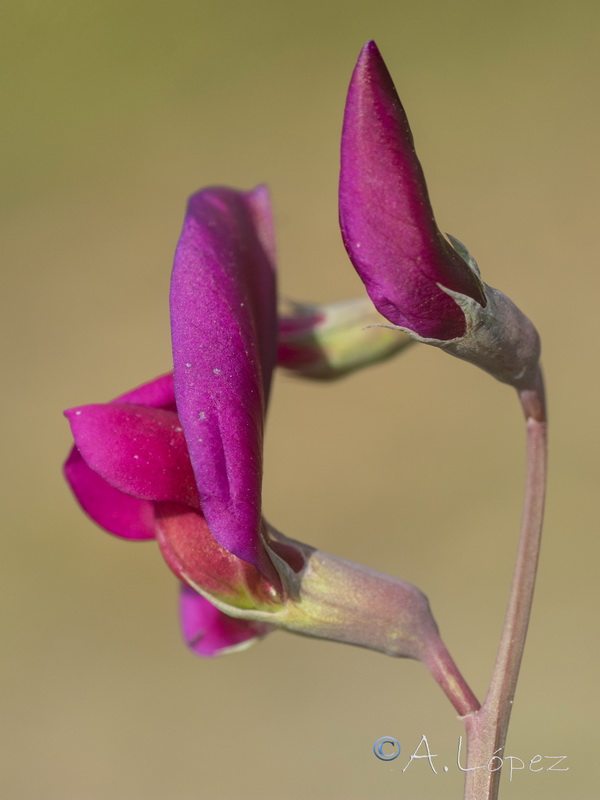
(224, 328)
(114, 511)
(138, 450)
(159, 393)
(386, 218)
(209, 632)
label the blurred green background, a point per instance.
(113, 113)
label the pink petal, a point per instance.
(209, 632)
(114, 511)
(138, 450)
(158, 393)
(224, 328)
(118, 513)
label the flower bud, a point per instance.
(425, 284)
(332, 340)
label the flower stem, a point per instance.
(441, 665)
(487, 728)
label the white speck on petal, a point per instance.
(188, 365)
(358, 244)
(216, 371)
(199, 440)
(201, 415)
(136, 456)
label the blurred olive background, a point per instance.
(113, 113)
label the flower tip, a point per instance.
(370, 63)
(258, 200)
(74, 415)
(370, 49)
(259, 194)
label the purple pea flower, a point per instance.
(140, 460)
(180, 460)
(425, 284)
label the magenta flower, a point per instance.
(136, 459)
(423, 283)
(180, 460)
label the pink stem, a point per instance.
(487, 728)
(448, 676)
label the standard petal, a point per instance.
(209, 632)
(385, 215)
(224, 328)
(138, 450)
(118, 513)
